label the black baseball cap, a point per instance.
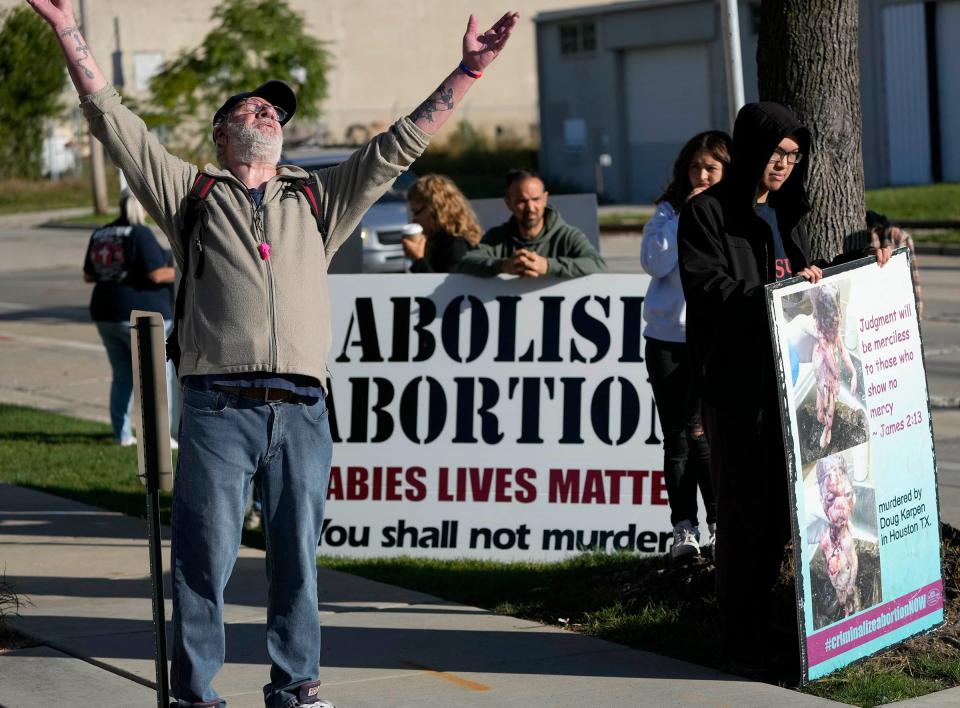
(274, 91)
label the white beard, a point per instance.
(252, 145)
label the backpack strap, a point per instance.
(310, 189)
(198, 192)
(202, 185)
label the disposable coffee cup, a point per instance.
(413, 231)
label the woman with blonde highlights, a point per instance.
(449, 225)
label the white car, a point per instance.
(381, 228)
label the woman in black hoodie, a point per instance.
(734, 239)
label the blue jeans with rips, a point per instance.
(226, 440)
(116, 340)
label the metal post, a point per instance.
(98, 177)
(155, 465)
(730, 22)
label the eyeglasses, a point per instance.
(779, 155)
(258, 110)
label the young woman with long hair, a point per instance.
(686, 454)
(449, 225)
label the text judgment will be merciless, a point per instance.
(475, 410)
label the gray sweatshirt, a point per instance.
(243, 313)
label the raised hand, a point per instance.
(57, 13)
(479, 50)
(82, 67)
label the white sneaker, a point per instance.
(307, 697)
(318, 703)
(128, 442)
(174, 445)
(686, 540)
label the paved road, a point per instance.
(51, 357)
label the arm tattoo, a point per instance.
(81, 49)
(439, 100)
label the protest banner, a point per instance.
(492, 418)
(859, 441)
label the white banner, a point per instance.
(492, 418)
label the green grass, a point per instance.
(523, 588)
(18, 195)
(935, 236)
(71, 458)
(90, 220)
(864, 685)
(604, 595)
(642, 602)
(619, 218)
(932, 201)
(935, 201)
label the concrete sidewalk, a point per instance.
(85, 572)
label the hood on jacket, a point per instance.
(552, 222)
(758, 130)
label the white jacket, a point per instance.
(664, 309)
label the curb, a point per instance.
(944, 403)
(66, 225)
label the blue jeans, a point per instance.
(116, 340)
(225, 441)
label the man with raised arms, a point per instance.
(254, 333)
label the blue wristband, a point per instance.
(470, 72)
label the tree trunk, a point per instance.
(808, 60)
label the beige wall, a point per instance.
(388, 54)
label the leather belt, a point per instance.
(264, 395)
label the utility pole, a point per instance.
(730, 22)
(98, 176)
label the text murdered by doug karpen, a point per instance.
(903, 515)
(889, 348)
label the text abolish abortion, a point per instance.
(475, 403)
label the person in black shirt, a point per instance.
(735, 238)
(450, 227)
(132, 272)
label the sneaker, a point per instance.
(174, 445)
(252, 521)
(686, 540)
(128, 442)
(307, 696)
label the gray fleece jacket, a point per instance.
(243, 313)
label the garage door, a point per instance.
(948, 61)
(668, 101)
(907, 100)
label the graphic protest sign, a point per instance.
(492, 418)
(859, 439)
